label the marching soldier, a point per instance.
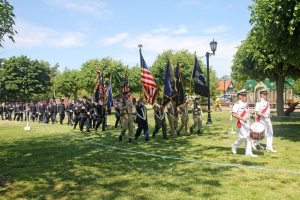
(118, 106)
(69, 110)
(127, 117)
(141, 120)
(85, 115)
(197, 116)
(171, 117)
(100, 112)
(240, 111)
(184, 116)
(159, 117)
(21, 110)
(76, 111)
(61, 111)
(263, 111)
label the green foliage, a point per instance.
(186, 60)
(276, 24)
(111, 68)
(68, 83)
(134, 78)
(297, 87)
(24, 79)
(6, 21)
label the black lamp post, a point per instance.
(213, 46)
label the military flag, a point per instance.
(148, 83)
(180, 96)
(110, 101)
(200, 86)
(169, 86)
(125, 87)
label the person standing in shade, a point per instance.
(240, 111)
(263, 111)
(141, 120)
(61, 109)
(160, 120)
(197, 116)
(127, 117)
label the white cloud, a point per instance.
(161, 30)
(35, 36)
(97, 8)
(157, 43)
(180, 30)
(115, 39)
(217, 29)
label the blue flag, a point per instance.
(110, 101)
(169, 87)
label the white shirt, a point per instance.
(239, 108)
(261, 105)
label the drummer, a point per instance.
(262, 110)
(240, 111)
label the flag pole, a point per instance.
(140, 50)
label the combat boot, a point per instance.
(120, 138)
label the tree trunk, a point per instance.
(279, 91)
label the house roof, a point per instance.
(221, 84)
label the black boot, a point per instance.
(120, 138)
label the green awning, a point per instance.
(250, 84)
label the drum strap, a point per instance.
(238, 123)
(263, 112)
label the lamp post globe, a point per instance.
(213, 46)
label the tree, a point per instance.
(6, 21)
(24, 79)
(265, 54)
(68, 83)
(111, 68)
(186, 60)
(134, 78)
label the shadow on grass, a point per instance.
(68, 167)
(287, 131)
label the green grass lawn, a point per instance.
(57, 162)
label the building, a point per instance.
(226, 87)
(253, 87)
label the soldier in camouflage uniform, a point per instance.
(160, 120)
(127, 117)
(184, 116)
(171, 117)
(197, 116)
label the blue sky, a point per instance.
(70, 32)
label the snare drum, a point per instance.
(257, 131)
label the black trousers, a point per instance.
(142, 127)
(84, 121)
(61, 118)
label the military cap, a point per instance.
(241, 92)
(263, 91)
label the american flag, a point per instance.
(149, 87)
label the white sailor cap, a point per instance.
(241, 92)
(265, 91)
